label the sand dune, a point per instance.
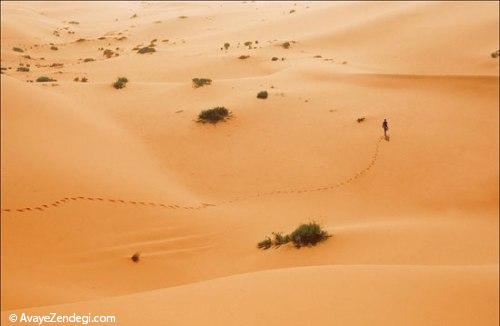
(91, 174)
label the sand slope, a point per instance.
(91, 174)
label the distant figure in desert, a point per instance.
(385, 126)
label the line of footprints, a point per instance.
(66, 200)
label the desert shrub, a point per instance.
(121, 38)
(304, 235)
(265, 244)
(274, 59)
(81, 40)
(88, 60)
(23, 69)
(84, 79)
(134, 16)
(183, 17)
(226, 45)
(213, 115)
(135, 257)
(146, 49)
(56, 65)
(17, 49)
(359, 120)
(27, 56)
(101, 38)
(308, 235)
(44, 79)
(318, 56)
(73, 22)
(248, 43)
(286, 45)
(292, 11)
(242, 57)
(280, 239)
(262, 95)
(199, 82)
(495, 54)
(120, 82)
(76, 79)
(108, 53)
(54, 48)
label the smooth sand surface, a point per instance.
(91, 174)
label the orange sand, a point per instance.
(91, 174)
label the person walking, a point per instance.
(385, 126)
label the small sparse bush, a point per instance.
(44, 79)
(213, 115)
(23, 69)
(183, 17)
(280, 239)
(17, 49)
(226, 45)
(76, 79)
(81, 40)
(305, 235)
(242, 57)
(274, 59)
(495, 54)
(134, 16)
(308, 235)
(262, 95)
(359, 120)
(27, 56)
(73, 22)
(120, 82)
(286, 45)
(84, 79)
(135, 257)
(248, 43)
(88, 60)
(101, 38)
(54, 48)
(265, 244)
(108, 53)
(199, 82)
(146, 49)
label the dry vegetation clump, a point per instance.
(136, 257)
(23, 69)
(183, 17)
(213, 115)
(359, 120)
(199, 82)
(242, 57)
(81, 40)
(44, 79)
(226, 45)
(88, 59)
(17, 49)
(120, 82)
(56, 65)
(274, 59)
(495, 54)
(54, 48)
(262, 95)
(304, 235)
(146, 49)
(108, 53)
(73, 22)
(285, 45)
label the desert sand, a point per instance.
(91, 174)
